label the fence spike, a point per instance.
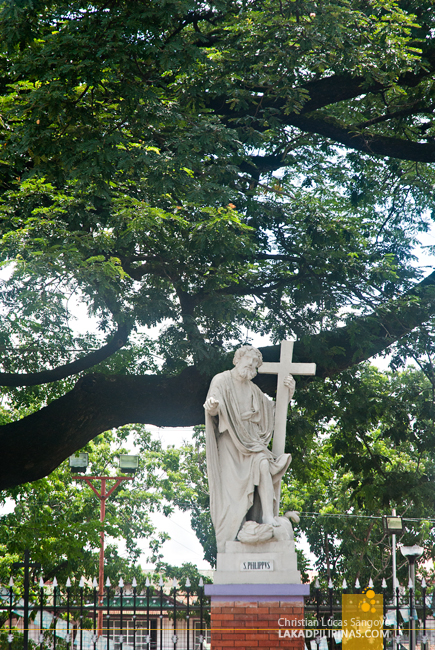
(317, 584)
(384, 583)
(357, 584)
(108, 583)
(201, 582)
(54, 581)
(160, 581)
(344, 584)
(81, 583)
(95, 583)
(11, 582)
(423, 584)
(147, 582)
(410, 585)
(134, 583)
(174, 583)
(371, 585)
(41, 582)
(121, 583)
(187, 583)
(68, 582)
(330, 584)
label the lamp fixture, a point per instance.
(392, 525)
(79, 462)
(128, 463)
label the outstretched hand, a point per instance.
(211, 404)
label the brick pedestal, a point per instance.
(257, 616)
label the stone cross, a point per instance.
(282, 369)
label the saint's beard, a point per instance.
(247, 373)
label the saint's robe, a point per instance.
(235, 447)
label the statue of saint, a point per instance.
(244, 476)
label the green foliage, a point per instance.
(184, 485)
(187, 570)
(362, 444)
(139, 174)
(58, 518)
(216, 170)
(188, 490)
(17, 642)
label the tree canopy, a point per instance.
(57, 518)
(212, 170)
(362, 444)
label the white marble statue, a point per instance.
(244, 475)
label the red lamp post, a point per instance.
(127, 463)
(103, 495)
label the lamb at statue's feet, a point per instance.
(254, 533)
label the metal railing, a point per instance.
(155, 618)
(324, 609)
(173, 617)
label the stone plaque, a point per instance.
(256, 565)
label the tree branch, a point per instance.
(37, 444)
(88, 361)
(326, 92)
(352, 137)
(368, 142)
(44, 439)
(365, 336)
(416, 107)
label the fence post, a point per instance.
(331, 612)
(384, 610)
(188, 613)
(317, 595)
(108, 613)
(174, 637)
(11, 593)
(41, 608)
(134, 585)
(95, 636)
(424, 639)
(81, 587)
(121, 620)
(161, 612)
(68, 597)
(54, 611)
(411, 618)
(397, 617)
(201, 618)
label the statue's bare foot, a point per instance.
(270, 520)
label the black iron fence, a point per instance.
(77, 617)
(168, 616)
(407, 618)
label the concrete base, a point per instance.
(273, 562)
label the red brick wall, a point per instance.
(252, 625)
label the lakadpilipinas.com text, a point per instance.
(331, 628)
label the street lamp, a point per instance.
(412, 553)
(393, 525)
(127, 464)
